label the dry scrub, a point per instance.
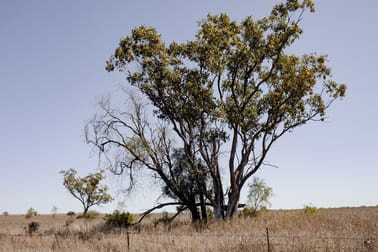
(344, 229)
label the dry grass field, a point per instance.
(342, 229)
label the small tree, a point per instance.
(87, 189)
(30, 213)
(258, 195)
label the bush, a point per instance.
(33, 227)
(248, 212)
(71, 213)
(5, 213)
(119, 219)
(88, 215)
(30, 213)
(309, 209)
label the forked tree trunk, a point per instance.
(85, 210)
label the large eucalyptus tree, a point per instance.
(228, 94)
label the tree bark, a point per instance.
(203, 208)
(219, 204)
(85, 210)
(233, 201)
(195, 214)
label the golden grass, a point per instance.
(343, 229)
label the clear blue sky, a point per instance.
(52, 56)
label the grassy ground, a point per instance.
(343, 229)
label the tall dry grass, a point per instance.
(344, 229)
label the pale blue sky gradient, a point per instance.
(52, 58)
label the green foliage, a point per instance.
(247, 212)
(88, 215)
(210, 214)
(185, 185)
(88, 189)
(30, 213)
(233, 90)
(258, 196)
(310, 209)
(119, 219)
(182, 177)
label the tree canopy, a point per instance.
(224, 97)
(258, 195)
(88, 189)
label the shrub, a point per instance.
(88, 215)
(248, 212)
(119, 219)
(33, 227)
(5, 213)
(71, 213)
(309, 209)
(30, 213)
